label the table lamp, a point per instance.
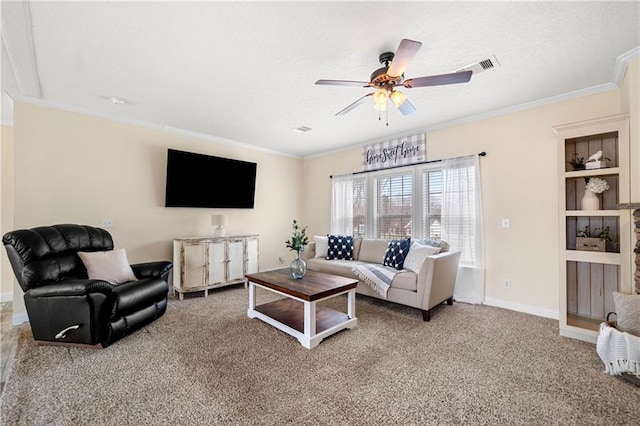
(219, 221)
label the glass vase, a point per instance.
(298, 267)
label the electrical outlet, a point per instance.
(506, 283)
(107, 222)
(506, 223)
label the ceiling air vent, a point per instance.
(483, 65)
(301, 129)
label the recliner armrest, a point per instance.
(159, 269)
(72, 288)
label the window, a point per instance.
(349, 205)
(431, 203)
(381, 204)
(359, 207)
(437, 201)
(392, 201)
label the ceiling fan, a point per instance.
(391, 75)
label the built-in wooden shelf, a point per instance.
(586, 213)
(593, 172)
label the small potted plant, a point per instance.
(597, 242)
(578, 163)
(298, 241)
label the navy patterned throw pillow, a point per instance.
(397, 251)
(340, 247)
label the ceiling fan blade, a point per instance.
(404, 54)
(355, 104)
(406, 107)
(438, 80)
(343, 83)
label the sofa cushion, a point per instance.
(322, 245)
(417, 254)
(405, 280)
(333, 267)
(443, 245)
(397, 251)
(373, 250)
(340, 247)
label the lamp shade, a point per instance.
(380, 97)
(219, 219)
(397, 98)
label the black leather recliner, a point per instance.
(63, 304)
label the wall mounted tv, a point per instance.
(197, 180)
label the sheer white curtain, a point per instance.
(342, 205)
(462, 224)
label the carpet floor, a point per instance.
(204, 362)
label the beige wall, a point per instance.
(6, 209)
(519, 182)
(73, 168)
(77, 169)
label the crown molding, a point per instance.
(142, 123)
(622, 63)
(483, 116)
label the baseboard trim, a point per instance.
(19, 319)
(6, 297)
(527, 309)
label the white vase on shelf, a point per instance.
(590, 201)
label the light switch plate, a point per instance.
(107, 222)
(506, 223)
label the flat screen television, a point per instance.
(198, 180)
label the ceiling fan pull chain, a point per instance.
(387, 110)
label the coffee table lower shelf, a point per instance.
(296, 318)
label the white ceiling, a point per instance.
(245, 71)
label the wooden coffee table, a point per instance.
(298, 314)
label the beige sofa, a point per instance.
(430, 287)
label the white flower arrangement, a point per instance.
(597, 185)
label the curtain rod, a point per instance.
(482, 154)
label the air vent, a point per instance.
(483, 65)
(301, 129)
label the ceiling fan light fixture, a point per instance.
(397, 98)
(380, 99)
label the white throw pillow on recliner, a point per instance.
(417, 254)
(110, 265)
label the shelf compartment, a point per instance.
(574, 190)
(607, 258)
(586, 146)
(587, 213)
(590, 288)
(595, 224)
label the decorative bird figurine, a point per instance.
(594, 161)
(596, 156)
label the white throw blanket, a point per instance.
(377, 276)
(619, 351)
